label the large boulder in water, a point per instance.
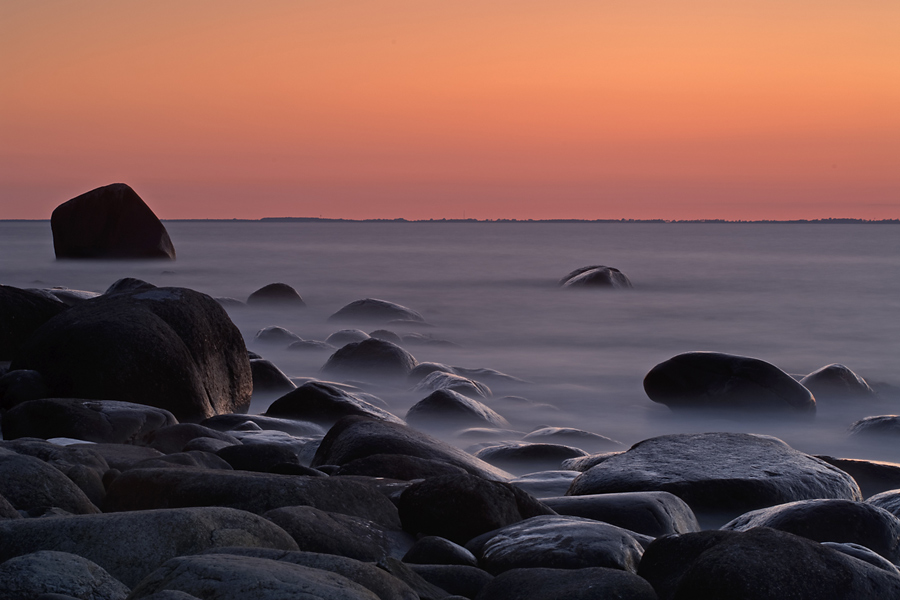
(598, 276)
(21, 313)
(371, 359)
(172, 348)
(720, 475)
(717, 381)
(109, 222)
(372, 310)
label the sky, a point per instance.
(487, 109)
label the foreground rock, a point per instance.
(759, 564)
(371, 359)
(571, 584)
(598, 276)
(830, 521)
(28, 483)
(324, 404)
(353, 438)
(649, 513)
(109, 222)
(49, 572)
(372, 310)
(21, 313)
(460, 507)
(102, 421)
(131, 545)
(145, 489)
(720, 475)
(192, 359)
(712, 380)
(558, 542)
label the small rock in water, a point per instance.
(347, 336)
(569, 436)
(546, 484)
(388, 336)
(448, 381)
(275, 294)
(525, 457)
(596, 276)
(276, 336)
(311, 345)
(446, 408)
(371, 359)
(377, 311)
(834, 382)
(269, 379)
(880, 426)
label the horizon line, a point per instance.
(825, 221)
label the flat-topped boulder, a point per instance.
(717, 381)
(720, 475)
(373, 310)
(109, 222)
(596, 276)
(172, 348)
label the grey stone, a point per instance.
(447, 409)
(596, 276)
(372, 310)
(275, 294)
(649, 513)
(50, 572)
(323, 403)
(572, 584)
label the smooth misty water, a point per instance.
(799, 296)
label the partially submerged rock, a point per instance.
(275, 294)
(372, 310)
(447, 409)
(598, 276)
(835, 382)
(371, 359)
(324, 404)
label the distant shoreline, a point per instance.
(401, 220)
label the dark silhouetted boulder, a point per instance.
(835, 382)
(324, 404)
(269, 379)
(559, 542)
(461, 580)
(172, 348)
(527, 457)
(720, 475)
(371, 359)
(109, 222)
(102, 421)
(21, 313)
(29, 483)
(261, 458)
(131, 545)
(275, 294)
(830, 521)
(460, 507)
(571, 584)
(597, 276)
(398, 466)
(50, 572)
(353, 438)
(21, 386)
(716, 381)
(372, 310)
(759, 564)
(872, 476)
(435, 550)
(649, 513)
(447, 409)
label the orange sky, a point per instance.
(431, 109)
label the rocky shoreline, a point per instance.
(129, 468)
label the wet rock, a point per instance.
(716, 381)
(109, 222)
(885, 426)
(835, 382)
(275, 294)
(50, 572)
(127, 285)
(276, 336)
(583, 463)
(387, 336)
(21, 314)
(872, 476)
(173, 438)
(546, 484)
(371, 359)
(325, 532)
(348, 336)
(67, 296)
(758, 565)
(353, 438)
(192, 358)
(571, 584)
(558, 542)
(146, 489)
(720, 475)
(120, 456)
(261, 458)
(102, 421)
(459, 580)
(131, 545)
(29, 483)
(439, 380)
(460, 507)
(294, 427)
(864, 554)
(21, 386)
(435, 550)
(889, 501)
(372, 310)
(398, 466)
(420, 586)
(192, 459)
(303, 447)
(325, 404)
(311, 346)
(447, 409)
(525, 457)
(269, 379)
(7, 510)
(596, 276)
(569, 436)
(649, 513)
(426, 339)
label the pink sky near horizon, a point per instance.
(500, 109)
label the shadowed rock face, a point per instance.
(21, 313)
(717, 381)
(597, 276)
(109, 222)
(325, 404)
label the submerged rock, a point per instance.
(371, 359)
(375, 311)
(879, 426)
(109, 222)
(268, 378)
(275, 294)
(439, 380)
(716, 381)
(447, 409)
(569, 436)
(596, 276)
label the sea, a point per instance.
(800, 296)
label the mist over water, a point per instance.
(798, 296)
